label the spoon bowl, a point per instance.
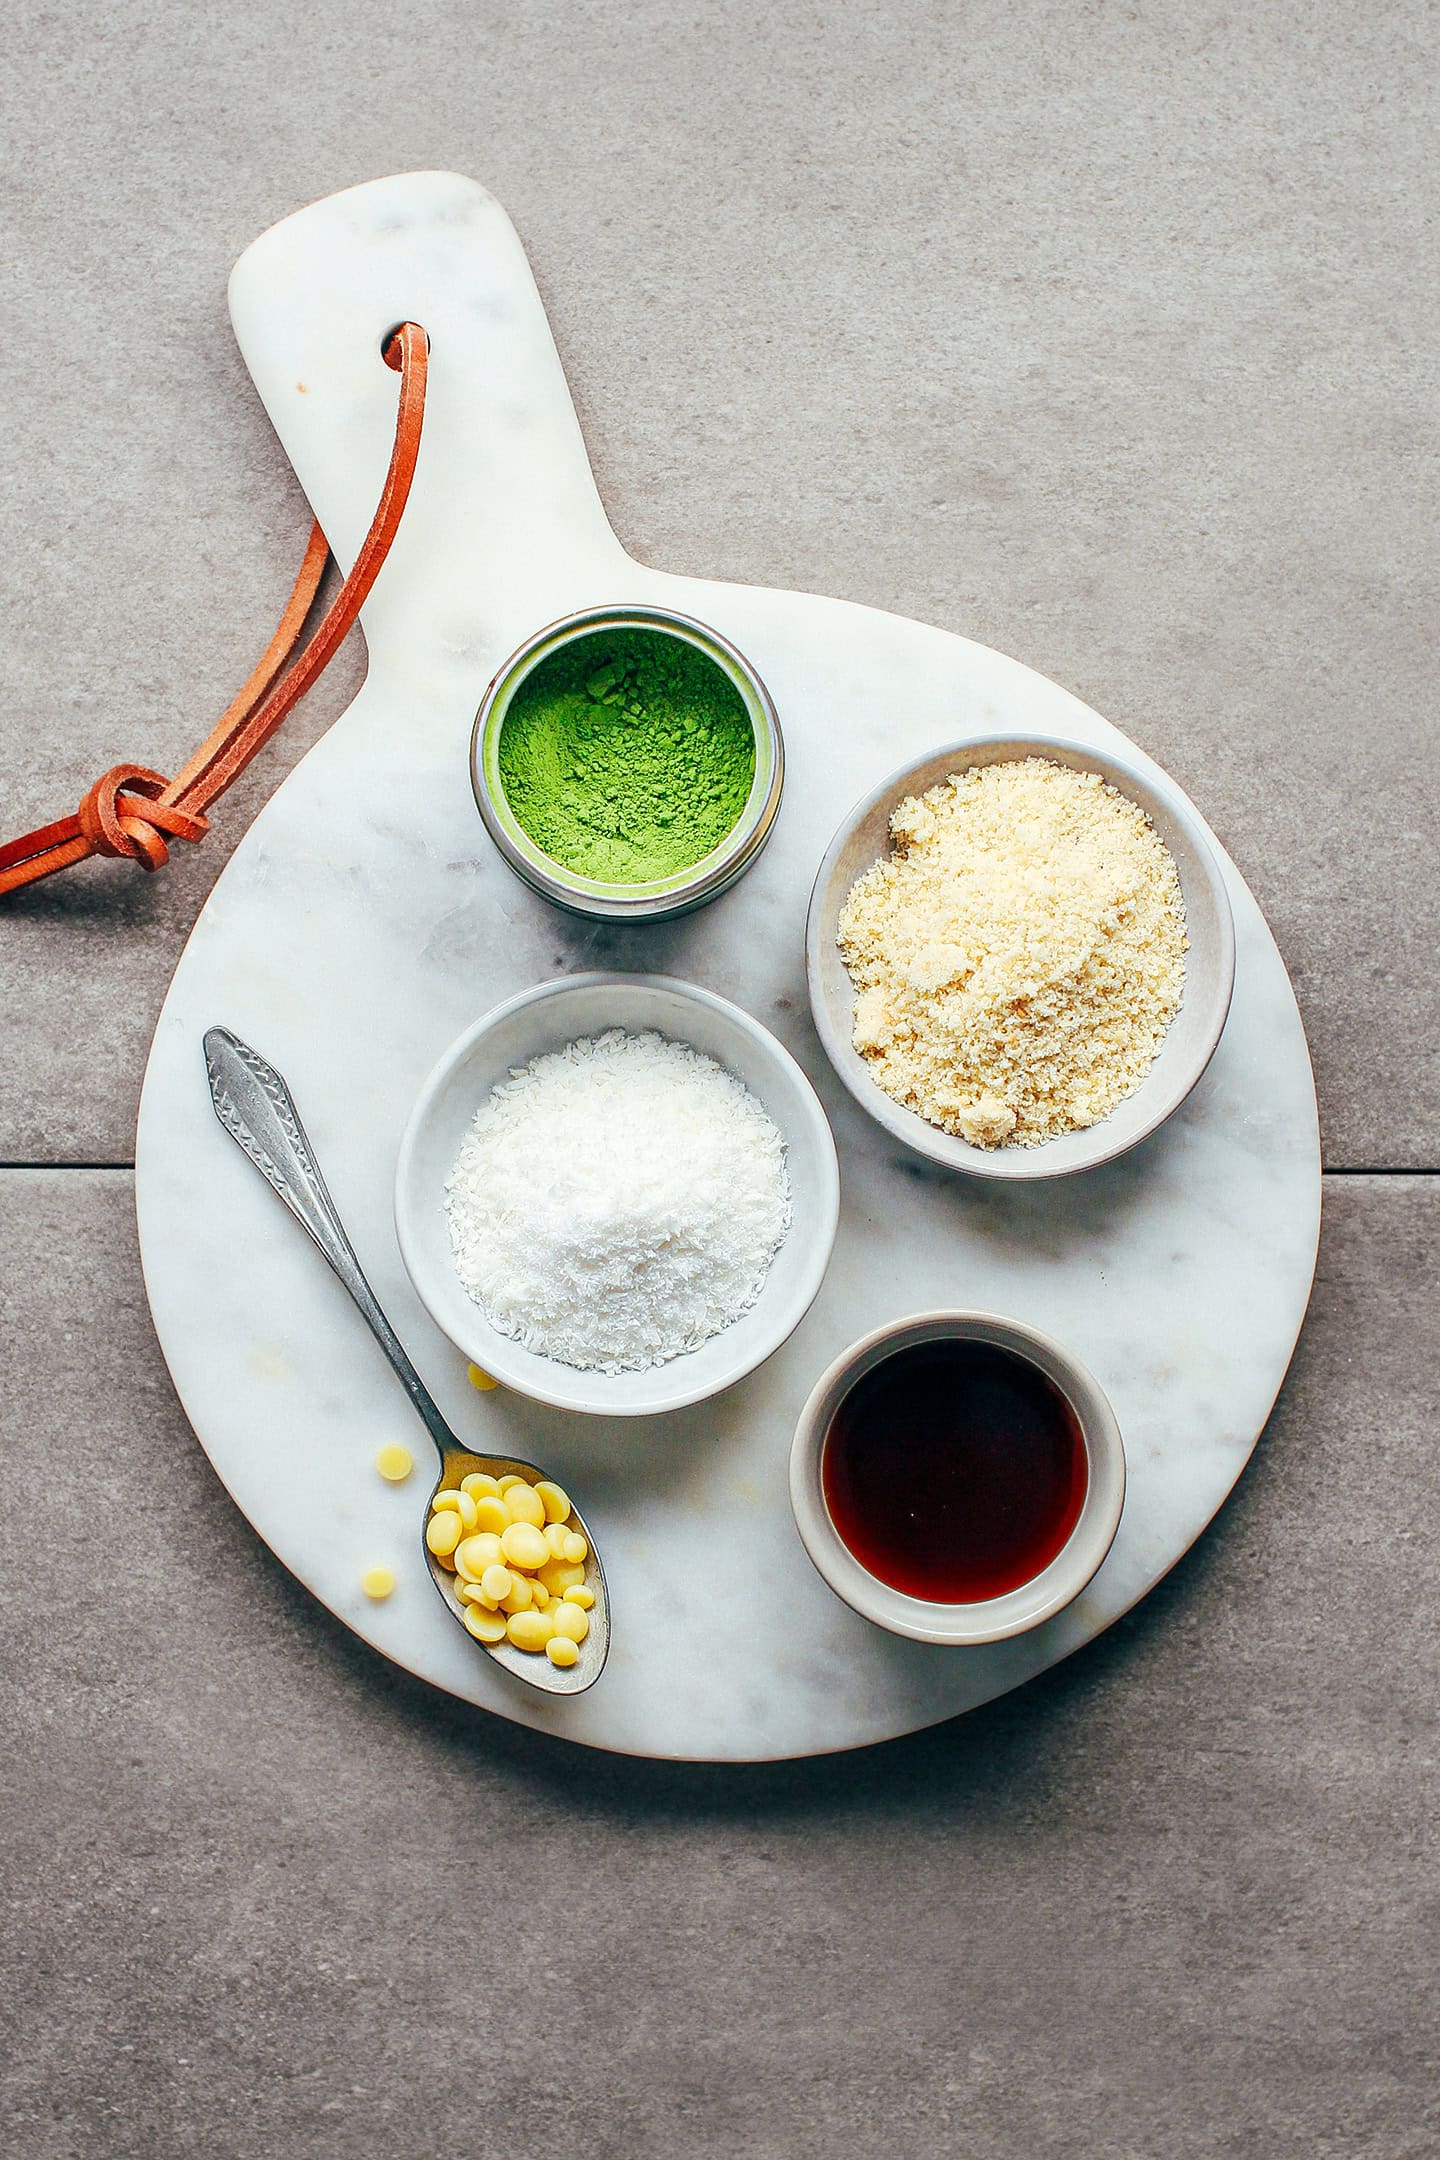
(457, 1462)
(256, 1108)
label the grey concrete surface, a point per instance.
(1103, 333)
(267, 1897)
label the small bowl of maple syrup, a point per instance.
(957, 1477)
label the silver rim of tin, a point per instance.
(686, 889)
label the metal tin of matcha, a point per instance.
(646, 898)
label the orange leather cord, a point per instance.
(134, 812)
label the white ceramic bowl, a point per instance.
(864, 839)
(546, 1019)
(989, 1619)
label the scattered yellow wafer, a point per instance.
(568, 1619)
(525, 1504)
(443, 1533)
(555, 1501)
(529, 1630)
(523, 1544)
(474, 1554)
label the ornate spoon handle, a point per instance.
(258, 1111)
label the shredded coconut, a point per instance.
(1020, 956)
(618, 1202)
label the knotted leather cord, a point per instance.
(134, 812)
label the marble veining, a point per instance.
(366, 919)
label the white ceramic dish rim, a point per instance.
(1114, 1135)
(588, 1392)
(993, 1619)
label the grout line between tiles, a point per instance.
(67, 1166)
(1385, 1170)
(1340, 1170)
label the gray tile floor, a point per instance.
(1104, 335)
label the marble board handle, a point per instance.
(503, 495)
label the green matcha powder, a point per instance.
(627, 756)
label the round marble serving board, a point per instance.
(366, 919)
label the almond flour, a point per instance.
(1019, 957)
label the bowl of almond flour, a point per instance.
(1021, 955)
(617, 1194)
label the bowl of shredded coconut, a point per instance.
(1021, 955)
(618, 1194)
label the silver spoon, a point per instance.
(256, 1108)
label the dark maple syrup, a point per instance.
(954, 1471)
